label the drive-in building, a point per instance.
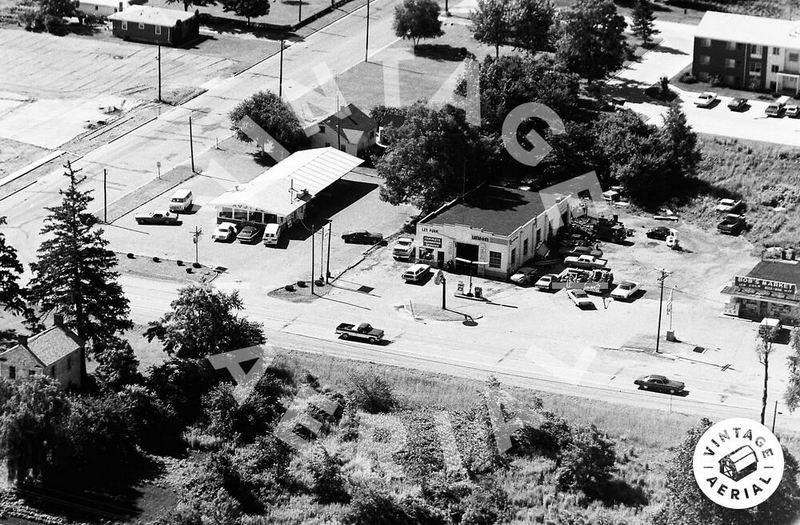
(491, 231)
(770, 289)
(280, 194)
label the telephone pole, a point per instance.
(159, 72)
(312, 259)
(105, 197)
(661, 280)
(196, 240)
(191, 144)
(280, 74)
(366, 51)
(328, 267)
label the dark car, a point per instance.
(158, 217)
(737, 104)
(732, 224)
(659, 232)
(249, 235)
(362, 237)
(659, 384)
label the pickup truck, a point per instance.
(585, 261)
(732, 224)
(364, 331)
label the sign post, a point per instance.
(440, 279)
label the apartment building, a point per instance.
(748, 52)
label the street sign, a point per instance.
(439, 278)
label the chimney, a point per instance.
(58, 320)
(22, 340)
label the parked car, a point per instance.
(732, 224)
(403, 248)
(580, 298)
(582, 250)
(226, 231)
(364, 331)
(659, 232)
(158, 217)
(547, 282)
(728, 206)
(659, 384)
(523, 276)
(737, 104)
(777, 108)
(249, 235)
(362, 237)
(625, 290)
(792, 110)
(416, 272)
(585, 261)
(705, 99)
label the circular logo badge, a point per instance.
(738, 463)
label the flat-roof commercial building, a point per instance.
(491, 231)
(770, 289)
(280, 194)
(155, 25)
(748, 52)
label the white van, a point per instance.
(272, 232)
(181, 200)
(776, 108)
(416, 272)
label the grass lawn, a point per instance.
(765, 176)
(282, 12)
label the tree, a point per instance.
(643, 19)
(327, 479)
(492, 24)
(118, 366)
(180, 384)
(680, 143)
(587, 462)
(766, 340)
(532, 21)
(204, 321)
(272, 115)
(246, 8)
(75, 272)
(417, 19)
(198, 3)
(792, 395)
(12, 296)
(591, 41)
(687, 505)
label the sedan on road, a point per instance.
(580, 298)
(659, 232)
(705, 100)
(625, 290)
(249, 235)
(226, 231)
(362, 237)
(737, 104)
(158, 217)
(659, 384)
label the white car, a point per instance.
(523, 276)
(792, 110)
(625, 290)
(704, 100)
(225, 231)
(403, 248)
(580, 298)
(728, 206)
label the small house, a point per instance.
(154, 25)
(100, 8)
(350, 130)
(56, 352)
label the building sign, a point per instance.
(432, 242)
(428, 229)
(480, 238)
(764, 285)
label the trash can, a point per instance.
(478, 292)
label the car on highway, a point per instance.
(249, 235)
(705, 99)
(158, 217)
(364, 331)
(732, 224)
(403, 248)
(659, 232)
(225, 231)
(625, 290)
(659, 383)
(523, 276)
(547, 282)
(737, 104)
(792, 110)
(362, 237)
(728, 206)
(580, 298)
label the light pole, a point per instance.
(280, 74)
(158, 168)
(328, 267)
(775, 415)
(105, 198)
(366, 51)
(300, 10)
(159, 72)
(312, 259)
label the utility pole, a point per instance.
(338, 123)
(444, 293)
(312, 259)
(328, 267)
(366, 51)
(300, 11)
(661, 279)
(196, 240)
(322, 253)
(280, 74)
(105, 198)
(159, 72)
(191, 145)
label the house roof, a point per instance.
(494, 209)
(749, 29)
(53, 344)
(781, 271)
(352, 118)
(107, 3)
(152, 15)
(278, 189)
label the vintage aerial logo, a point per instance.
(738, 463)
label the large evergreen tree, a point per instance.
(75, 272)
(643, 19)
(12, 295)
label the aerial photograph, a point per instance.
(397, 262)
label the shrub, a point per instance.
(485, 506)
(587, 463)
(371, 505)
(327, 479)
(372, 393)
(154, 424)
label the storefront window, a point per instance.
(240, 215)
(494, 259)
(525, 247)
(513, 256)
(226, 213)
(426, 254)
(256, 216)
